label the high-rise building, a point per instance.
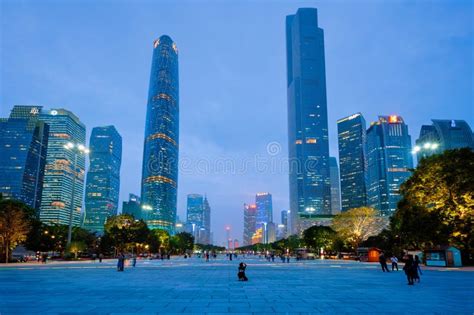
(284, 222)
(250, 221)
(23, 149)
(132, 206)
(352, 138)
(63, 187)
(310, 189)
(443, 135)
(103, 177)
(195, 215)
(160, 153)
(284, 217)
(389, 162)
(206, 208)
(335, 191)
(263, 201)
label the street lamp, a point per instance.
(77, 149)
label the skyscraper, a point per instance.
(389, 162)
(132, 206)
(195, 214)
(335, 191)
(352, 138)
(250, 220)
(160, 153)
(23, 148)
(103, 177)
(443, 135)
(60, 175)
(263, 201)
(310, 189)
(206, 221)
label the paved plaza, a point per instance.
(194, 286)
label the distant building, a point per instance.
(103, 177)
(335, 191)
(264, 204)
(389, 162)
(206, 208)
(250, 223)
(60, 175)
(443, 135)
(280, 232)
(161, 145)
(236, 243)
(23, 150)
(309, 220)
(132, 206)
(308, 144)
(352, 138)
(195, 215)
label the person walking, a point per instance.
(416, 269)
(134, 260)
(383, 262)
(394, 261)
(241, 274)
(120, 262)
(408, 268)
(101, 256)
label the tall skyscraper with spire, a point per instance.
(103, 177)
(160, 153)
(310, 188)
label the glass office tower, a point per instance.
(264, 208)
(352, 138)
(195, 214)
(335, 190)
(206, 237)
(160, 154)
(59, 175)
(310, 189)
(103, 177)
(23, 149)
(132, 206)
(389, 162)
(250, 221)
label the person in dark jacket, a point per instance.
(416, 269)
(408, 268)
(383, 262)
(241, 274)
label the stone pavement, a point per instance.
(194, 286)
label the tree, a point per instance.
(443, 185)
(15, 219)
(319, 237)
(124, 231)
(158, 240)
(356, 225)
(182, 242)
(76, 247)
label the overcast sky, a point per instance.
(409, 58)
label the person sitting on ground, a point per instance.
(241, 274)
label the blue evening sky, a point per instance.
(409, 58)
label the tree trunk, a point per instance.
(7, 247)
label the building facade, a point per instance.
(206, 238)
(250, 223)
(389, 162)
(160, 154)
(264, 204)
(103, 177)
(352, 140)
(335, 190)
(23, 150)
(63, 186)
(310, 189)
(132, 206)
(443, 135)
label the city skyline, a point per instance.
(210, 115)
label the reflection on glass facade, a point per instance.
(59, 175)
(389, 162)
(103, 177)
(23, 148)
(307, 117)
(335, 191)
(352, 137)
(160, 154)
(443, 135)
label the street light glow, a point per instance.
(427, 145)
(147, 207)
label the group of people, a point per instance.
(412, 267)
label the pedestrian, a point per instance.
(383, 262)
(44, 258)
(241, 274)
(101, 256)
(408, 268)
(134, 260)
(287, 258)
(394, 262)
(120, 262)
(416, 269)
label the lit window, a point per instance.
(298, 142)
(311, 140)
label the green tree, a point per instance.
(443, 185)
(319, 237)
(15, 224)
(356, 225)
(124, 231)
(76, 247)
(182, 242)
(158, 240)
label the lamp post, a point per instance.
(77, 149)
